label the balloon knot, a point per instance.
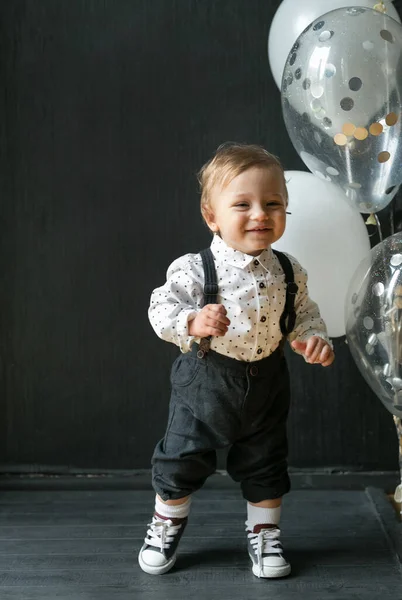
(371, 220)
(380, 6)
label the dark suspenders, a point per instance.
(210, 279)
(210, 293)
(288, 317)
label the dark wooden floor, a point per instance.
(83, 545)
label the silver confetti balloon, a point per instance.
(373, 315)
(341, 101)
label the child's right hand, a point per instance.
(211, 320)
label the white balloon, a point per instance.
(329, 239)
(293, 16)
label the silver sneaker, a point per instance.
(266, 552)
(158, 554)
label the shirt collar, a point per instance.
(224, 254)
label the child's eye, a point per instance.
(241, 205)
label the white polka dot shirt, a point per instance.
(252, 289)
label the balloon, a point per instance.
(293, 16)
(329, 239)
(373, 315)
(341, 99)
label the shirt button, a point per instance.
(256, 263)
(259, 351)
(263, 319)
(254, 371)
(262, 285)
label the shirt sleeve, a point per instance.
(308, 318)
(177, 302)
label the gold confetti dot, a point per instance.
(361, 133)
(391, 119)
(383, 157)
(340, 139)
(376, 129)
(349, 129)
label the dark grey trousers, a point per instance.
(220, 402)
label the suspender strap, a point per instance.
(288, 317)
(210, 278)
(210, 293)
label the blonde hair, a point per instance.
(230, 160)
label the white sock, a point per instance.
(262, 516)
(167, 511)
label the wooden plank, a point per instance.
(253, 591)
(199, 525)
(73, 496)
(115, 554)
(32, 533)
(200, 505)
(316, 577)
(335, 542)
(140, 480)
(144, 508)
(389, 520)
(52, 532)
(213, 545)
(92, 517)
(144, 496)
(206, 501)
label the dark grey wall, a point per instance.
(108, 108)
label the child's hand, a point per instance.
(316, 350)
(211, 320)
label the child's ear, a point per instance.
(210, 219)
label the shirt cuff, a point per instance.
(185, 341)
(321, 334)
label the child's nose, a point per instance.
(260, 214)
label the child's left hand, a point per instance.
(316, 351)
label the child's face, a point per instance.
(249, 213)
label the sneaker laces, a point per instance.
(265, 542)
(161, 533)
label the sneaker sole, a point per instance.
(271, 572)
(152, 570)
